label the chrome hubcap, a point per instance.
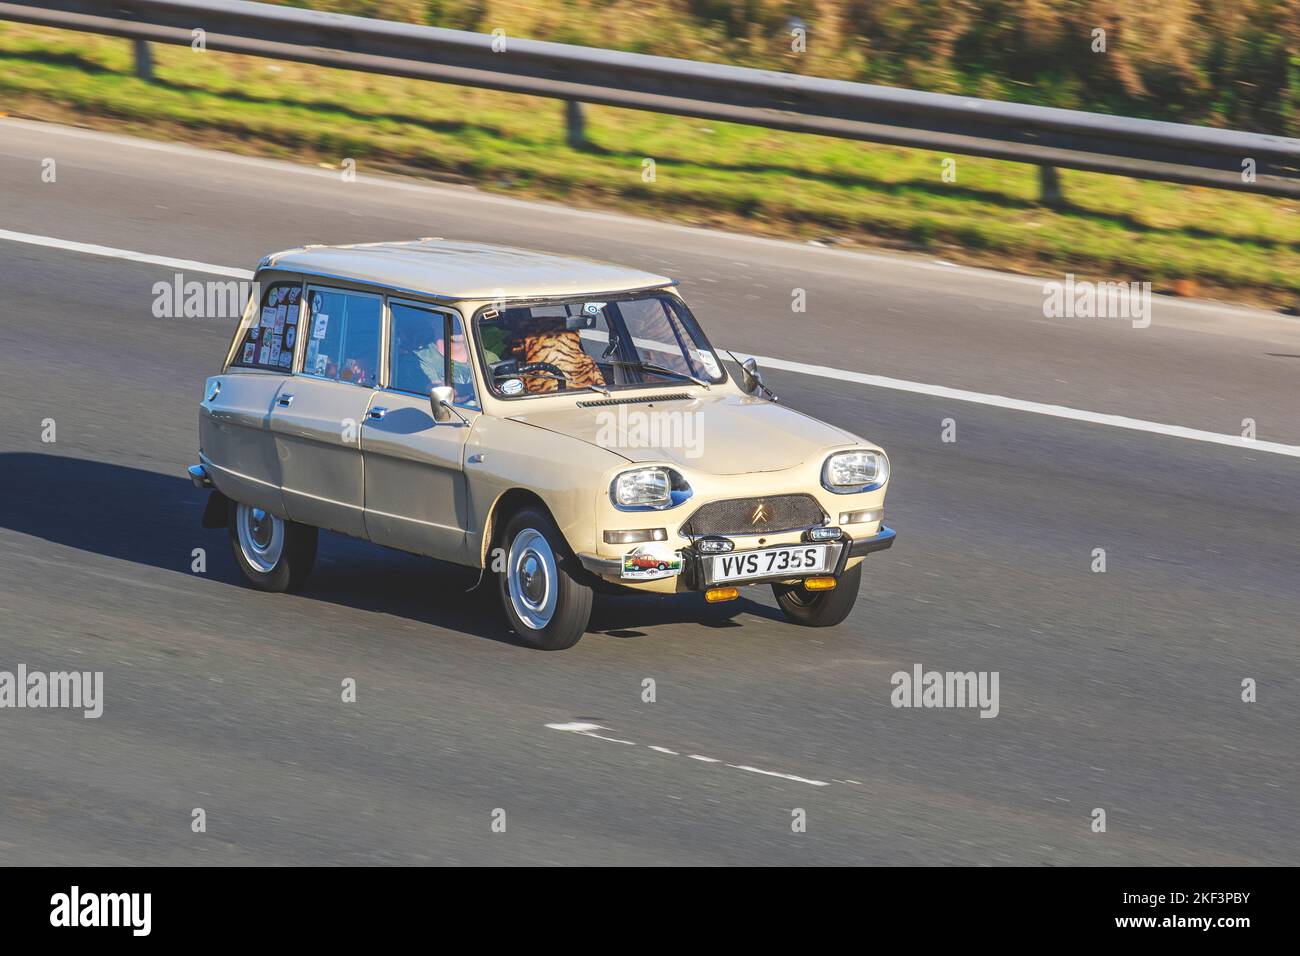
(531, 578)
(261, 537)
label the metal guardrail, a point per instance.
(1042, 136)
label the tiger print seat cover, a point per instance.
(541, 343)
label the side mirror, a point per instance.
(751, 379)
(440, 400)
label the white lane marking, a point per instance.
(589, 730)
(1021, 405)
(90, 249)
(803, 368)
(784, 776)
(439, 190)
(586, 730)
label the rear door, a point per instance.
(416, 496)
(317, 417)
(235, 440)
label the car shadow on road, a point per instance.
(153, 519)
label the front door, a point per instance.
(317, 417)
(416, 496)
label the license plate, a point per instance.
(803, 559)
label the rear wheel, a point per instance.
(820, 608)
(544, 601)
(274, 554)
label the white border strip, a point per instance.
(1037, 408)
(819, 371)
(89, 249)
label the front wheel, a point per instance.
(273, 554)
(820, 608)
(545, 603)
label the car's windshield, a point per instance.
(594, 343)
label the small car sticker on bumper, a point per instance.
(649, 564)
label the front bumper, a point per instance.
(697, 571)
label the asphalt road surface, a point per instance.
(1119, 690)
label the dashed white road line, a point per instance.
(803, 368)
(589, 730)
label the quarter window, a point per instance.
(269, 341)
(343, 336)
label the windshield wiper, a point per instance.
(554, 378)
(661, 370)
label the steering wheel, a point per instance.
(544, 367)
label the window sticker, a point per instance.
(512, 386)
(290, 336)
(322, 325)
(322, 364)
(592, 308)
(708, 361)
(650, 562)
(286, 358)
(264, 339)
(313, 347)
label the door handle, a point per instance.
(285, 401)
(377, 413)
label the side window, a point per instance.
(429, 349)
(268, 342)
(343, 330)
(417, 362)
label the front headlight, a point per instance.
(852, 472)
(648, 489)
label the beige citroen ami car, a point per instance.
(561, 424)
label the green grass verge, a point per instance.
(1243, 247)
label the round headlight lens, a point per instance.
(855, 471)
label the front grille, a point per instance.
(737, 516)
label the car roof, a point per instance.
(464, 270)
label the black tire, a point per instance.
(291, 565)
(820, 608)
(553, 625)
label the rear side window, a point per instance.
(343, 336)
(268, 342)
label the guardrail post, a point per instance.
(1049, 186)
(574, 125)
(143, 59)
